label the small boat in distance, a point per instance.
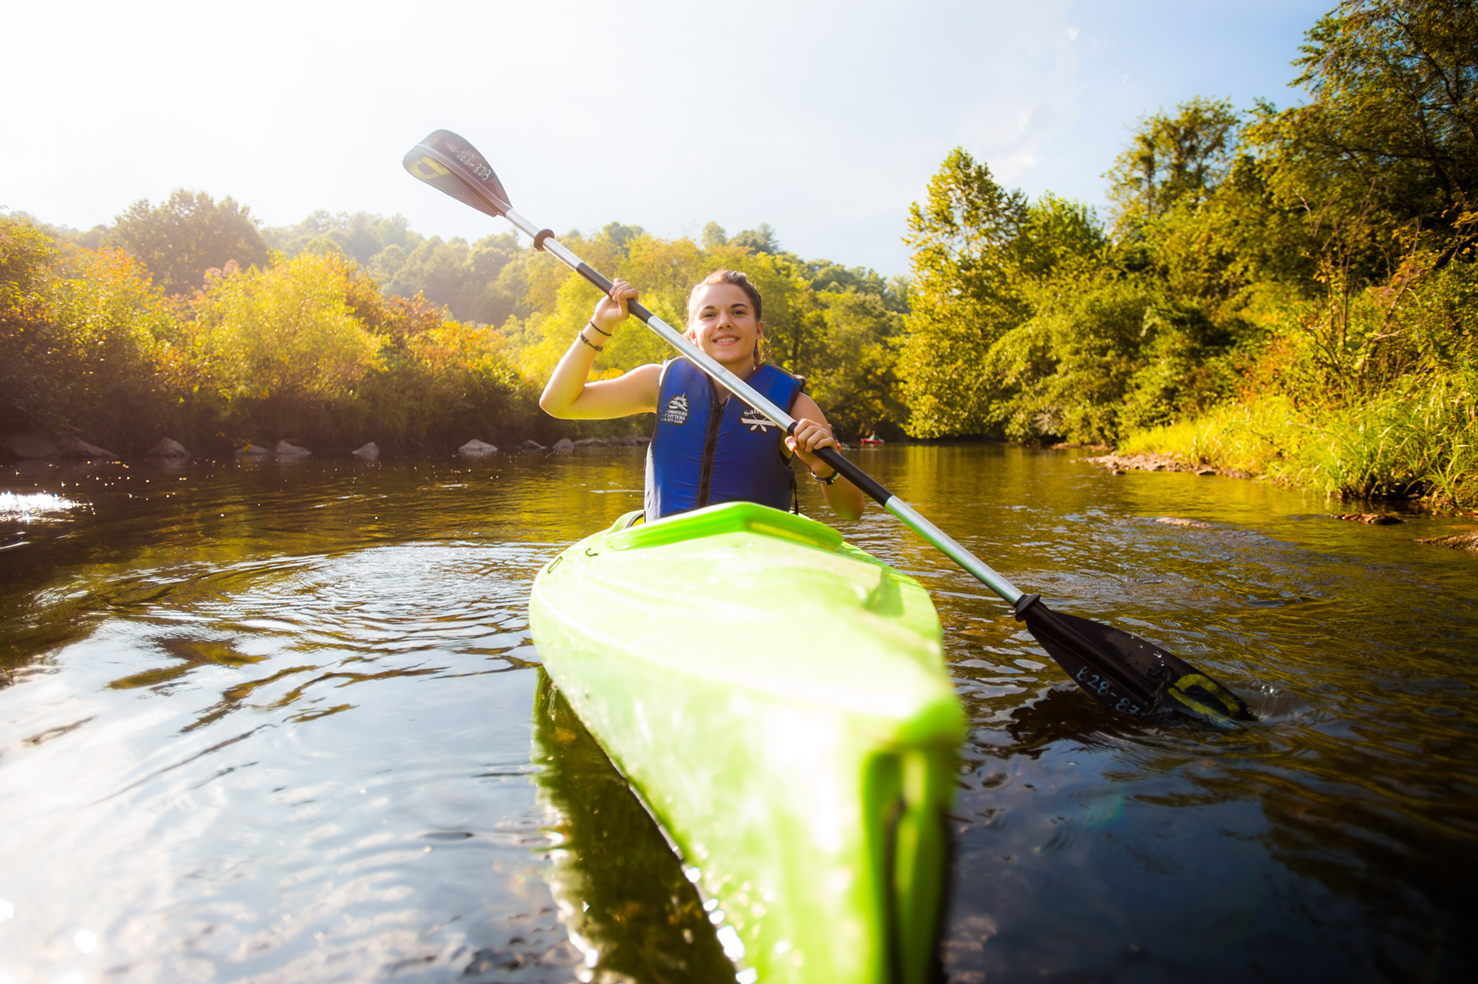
(872, 440)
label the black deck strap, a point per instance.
(1024, 604)
(540, 236)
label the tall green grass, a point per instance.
(1417, 439)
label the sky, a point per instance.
(825, 119)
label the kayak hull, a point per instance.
(778, 700)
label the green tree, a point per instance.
(360, 236)
(965, 295)
(855, 381)
(1394, 108)
(481, 283)
(186, 236)
(25, 254)
(761, 239)
(85, 341)
(714, 235)
(1173, 159)
(1379, 169)
(282, 346)
(1060, 372)
(620, 235)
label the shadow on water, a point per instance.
(618, 884)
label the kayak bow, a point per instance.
(779, 701)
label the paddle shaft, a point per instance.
(905, 513)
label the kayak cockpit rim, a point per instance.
(726, 517)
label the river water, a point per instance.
(277, 722)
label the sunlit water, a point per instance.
(285, 722)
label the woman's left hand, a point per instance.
(812, 433)
(807, 437)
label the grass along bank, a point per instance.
(1417, 440)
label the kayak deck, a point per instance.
(778, 700)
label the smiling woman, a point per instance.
(707, 448)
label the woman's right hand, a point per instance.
(612, 309)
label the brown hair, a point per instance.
(735, 278)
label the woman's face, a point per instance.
(721, 322)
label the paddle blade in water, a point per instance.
(1127, 673)
(453, 166)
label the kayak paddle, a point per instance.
(1120, 671)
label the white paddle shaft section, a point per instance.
(671, 335)
(910, 517)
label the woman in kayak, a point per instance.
(706, 448)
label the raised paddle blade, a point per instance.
(1125, 672)
(453, 166)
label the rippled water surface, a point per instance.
(285, 722)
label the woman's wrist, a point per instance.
(829, 479)
(581, 336)
(597, 327)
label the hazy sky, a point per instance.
(825, 119)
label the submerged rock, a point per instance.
(1372, 519)
(475, 447)
(31, 445)
(370, 450)
(38, 444)
(252, 451)
(1458, 541)
(287, 449)
(564, 446)
(533, 445)
(167, 448)
(75, 447)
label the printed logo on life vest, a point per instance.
(677, 410)
(757, 421)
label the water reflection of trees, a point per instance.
(619, 887)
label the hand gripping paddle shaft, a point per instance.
(1117, 669)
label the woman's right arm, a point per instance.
(568, 395)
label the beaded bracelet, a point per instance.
(581, 336)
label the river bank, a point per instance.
(1122, 464)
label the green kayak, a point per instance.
(778, 700)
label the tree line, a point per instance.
(1284, 291)
(189, 319)
(1287, 292)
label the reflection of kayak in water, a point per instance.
(779, 700)
(619, 888)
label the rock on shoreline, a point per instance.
(1121, 464)
(1457, 541)
(35, 444)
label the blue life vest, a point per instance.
(704, 452)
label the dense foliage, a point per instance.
(349, 331)
(1286, 291)
(1290, 292)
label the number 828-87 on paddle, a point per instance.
(1091, 681)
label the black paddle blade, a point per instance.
(1125, 672)
(453, 166)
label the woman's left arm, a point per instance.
(812, 432)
